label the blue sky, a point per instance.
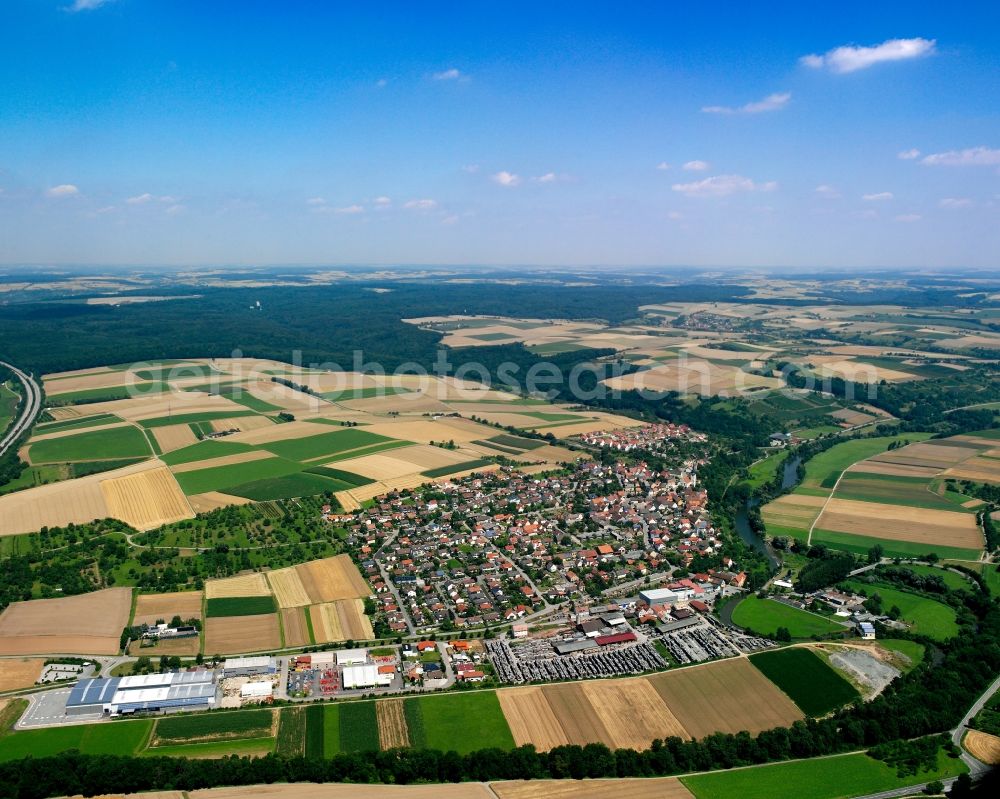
(710, 134)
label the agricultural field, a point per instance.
(151, 607)
(206, 727)
(813, 685)
(465, 790)
(765, 616)
(442, 722)
(221, 607)
(87, 624)
(342, 620)
(17, 673)
(632, 712)
(645, 788)
(925, 616)
(838, 777)
(115, 738)
(236, 635)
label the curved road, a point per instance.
(32, 406)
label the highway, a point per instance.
(32, 406)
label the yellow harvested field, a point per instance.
(146, 500)
(252, 584)
(17, 673)
(87, 624)
(692, 377)
(286, 584)
(174, 436)
(234, 635)
(632, 712)
(281, 432)
(242, 423)
(347, 501)
(984, 470)
(927, 454)
(76, 431)
(329, 790)
(894, 469)
(170, 404)
(392, 729)
(650, 788)
(333, 578)
(293, 624)
(793, 510)
(860, 372)
(342, 620)
(57, 504)
(286, 398)
(531, 719)
(752, 702)
(379, 466)
(423, 432)
(77, 373)
(983, 747)
(901, 523)
(210, 500)
(405, 403)
(150, 607)
(53, 388)
(224, 460)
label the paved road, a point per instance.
(32, 406)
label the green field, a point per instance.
(289, 486)
(516, 442)
(352, 480)
(926, 616)
(823, 470)
(116, 443)
(454, 468)
(239, 606)
(239, 746)
(545, 416)
(204, 450)
(911, 650)
(957, 582)
(765, 616)
(442, 722)
(765, 471)
(912, 492)
(109, 738)
(291, 737)
(96, 420)
(239, 724)
(219, 478)
(812, 685)
(8, 405)
(193, 418)
(107, 394)
(358, 727)
(836, 777)
(322, 444)
(242, 396)
(860, 544)
(364, 393)
(176, 371)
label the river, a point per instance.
(789, 477)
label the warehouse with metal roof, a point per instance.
(143, 693)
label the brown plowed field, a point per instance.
(925, 454)
(655, 788)
(980, 470)
(571, 706)
(252, 584)
(901, 523)
(392, 729)
(647, 718)
(293, 621)
(146, 500)
(174, 437)
(242, 423)
(725, 696)
(210, 500)
(18, 673)
(150, 607)
(328, 790)
(983, 746)
(234, 635)
(893, 469)
(88, 624)
(333, 578)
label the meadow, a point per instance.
(239, 606)
(118, 442)
(446, 722)
(835, 777)
(765, 616)
(806, 678)
(926, 616)
(112, 738)
(213, 726)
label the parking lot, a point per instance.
(47, 708)
(537, 660)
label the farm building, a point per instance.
(143, 693)
(249, 667)
(351, 657)
(867, 630)
(365, 677)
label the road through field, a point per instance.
(32, 405)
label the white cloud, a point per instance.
(908, 155)
(107, 209)
(472, 169)
(450, 220)
(548, 177)
(909, 218)
(448, 74)
(316, 201)
(174, 210)
(62, 190)
(971, 156)
(877, 197)
(350, 209)
(851, 58)
(773, 102)
(87, 5)
(140, 199)
(675, 215)
(955, 202)
(828, 192)
(663, 166)
(421, 205)
(381, 83)
(504, 178)
(722, 186)
(382, 202)
(696, 166)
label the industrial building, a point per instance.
(366, 676)
(249, 667)
(352, 657)
(143, 693)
